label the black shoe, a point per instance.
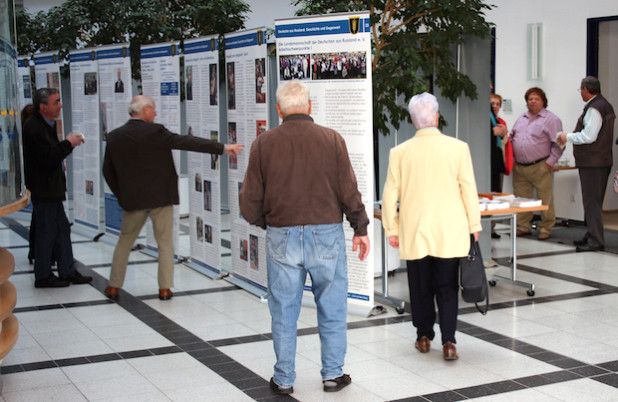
(51, 281)
(278, 389)
(589, 247)
(581, 242)
(495, 235)
(76, 278)
(337, 384)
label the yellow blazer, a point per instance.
(431, 176)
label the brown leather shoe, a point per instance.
(423, 344)
(544, 236)
(111, 292)
(522, 232)
(450, 351)
(165, 294)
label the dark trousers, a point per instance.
(430, 278)
(593, 181)
(52, 235)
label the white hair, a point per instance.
(293, 96)
(423, 109)
(138, 103)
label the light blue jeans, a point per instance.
(292, 252)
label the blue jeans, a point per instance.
(292, 252)
(52, 233)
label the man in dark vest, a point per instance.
(592, 147)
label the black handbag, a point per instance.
(472, 278)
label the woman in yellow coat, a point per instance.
(432, 179)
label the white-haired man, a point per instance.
(139, 169)
(298, 184)
(429, 209)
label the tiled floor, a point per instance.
(211, 342)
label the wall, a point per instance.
(564, 65)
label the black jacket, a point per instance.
(43, 160)
(138, 164)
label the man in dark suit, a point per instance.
(139, 169)
(119, 85)
(44, 158)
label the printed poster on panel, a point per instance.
(247, 115)
(24, 81)
(332, 54)
(115, 93)
(202, 108)
(85, 117)
(160, 65)
(47, 75)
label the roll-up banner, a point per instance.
(115, 94)
(331, 54)
(202, 108)
(160, 65)
(85, 117)
(247, 114)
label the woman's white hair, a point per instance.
(423, 109)
(293, 96)
(138, 103)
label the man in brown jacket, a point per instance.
(298, 184)
(139, 169)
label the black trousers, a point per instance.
(52, 236)
(432, 278)
(593, 181)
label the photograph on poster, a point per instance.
(260, 127)
(214, 162)
(207, 195)
(294, 66)
(199, 228)
(119, 84)
(90, 83)
(198, 182)
(27, 86)
(243, 250)
(89, 187)
(260, 81)
(103, 116)
(338, 66)
(189, 83)
(214, 85)
(231, 135)
(53, 80)
(208, 233)
(231, 86)
(189, 130)
(253, 252)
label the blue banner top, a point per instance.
(251, 39)
(112, 53)
(23, 61)
(85, 56)
(320, 28)
(48, 59)
(159, 51)
(205, 45)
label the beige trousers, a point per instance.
(132, 223)
(539, 178)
